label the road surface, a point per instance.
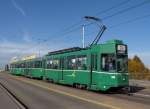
(36, 94)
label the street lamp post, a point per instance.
(83, 36)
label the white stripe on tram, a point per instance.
(89, 71)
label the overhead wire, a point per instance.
(113, 7)
(126, 9)
(103, 11)
(122, 11)
(125, 22)
(130, 21)
(71, 29)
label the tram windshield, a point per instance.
(115, 63)
(122, 63)
(109, 62)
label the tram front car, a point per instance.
(114, 63)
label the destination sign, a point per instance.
(121, 48)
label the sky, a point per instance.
(39, 26)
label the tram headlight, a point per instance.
(113, 77)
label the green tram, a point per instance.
(16, 68)
(33, 68)
(99, 67)
(30, 68)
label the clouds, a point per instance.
(24, 46)
(27, 37)
(10, 49)
(17, 7)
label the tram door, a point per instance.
(27, 69)
(44, 66)
(93, 66)
(61, 69)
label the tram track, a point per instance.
(13, 97)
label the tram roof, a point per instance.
(66, 50)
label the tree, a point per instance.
(137, 69)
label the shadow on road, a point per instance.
(131, 90)
(135, 89)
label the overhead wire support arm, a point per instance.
(100, 33)
(100, 25)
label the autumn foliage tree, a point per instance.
(137, 69)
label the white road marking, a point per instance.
(142, 95)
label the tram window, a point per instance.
(22, 65)
(49, 64)
(108, 62)
(53, 64)
(33, 65)
(81, 62)
(18, 66)
(30, 65)
(71, 62)
(122, 63)
(27, 65)
(94, 61)
(37, 64)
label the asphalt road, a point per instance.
(38, 98)
(6, 101)
(142, 83)
(143, 87)
(42, 95)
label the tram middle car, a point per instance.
(29, 68)
(99, 67)
(34, 68)
(16, 68)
